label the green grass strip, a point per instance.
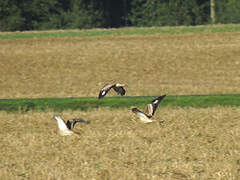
(85, 103)
(122, 31)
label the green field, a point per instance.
(85, 103)
(123, 31)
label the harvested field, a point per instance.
(191, 63)
(190, 144)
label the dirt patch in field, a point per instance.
(149, 64)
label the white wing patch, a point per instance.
(155, 102)
(60, 122)
(104, 92)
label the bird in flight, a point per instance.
(118, 87)
(146, 116)
(66, 128)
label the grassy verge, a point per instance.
(85, 103)
(122, 31)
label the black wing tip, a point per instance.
(81, 120)
(85, 121)
(122, 94)
(101, 95)
(161, 97)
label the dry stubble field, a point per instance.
(204, 63)
(190, 143)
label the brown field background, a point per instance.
(190, 144)
(204, 63)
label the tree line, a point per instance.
(19, 15)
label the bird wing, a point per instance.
(139, 113)
(143, 117)
(105, 90)
(69, 124)
(149, 110)
(119, 90)
(79, 120)
(136, 110)
(154, 103)
(60, 122)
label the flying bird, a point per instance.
(118, 87)
(66, 128)
(71, 123)
(146, 116)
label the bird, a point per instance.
(66, 128)
(71, 123)
(118, 87)
(150, 109)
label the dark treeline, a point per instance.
(71, 14)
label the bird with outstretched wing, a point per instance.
(66, 128)
(150, 109)
(118, 88)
